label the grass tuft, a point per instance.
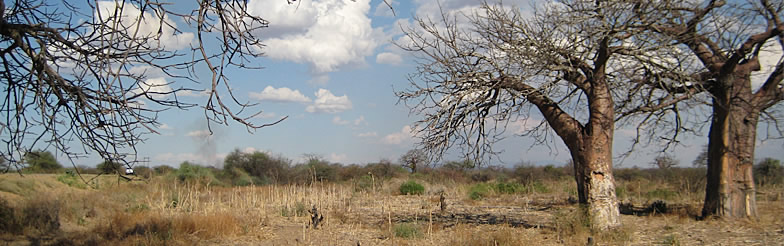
(407, 230)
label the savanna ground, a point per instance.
(531, 208)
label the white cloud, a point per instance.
(403, 136)
(198, 133)
(325, 34)
(338, 121)
(389, 58)
(165, 126)
(523, 125)
(149, 26)
(334, 157)
(193, 93)
(326, 102)
(282, 94)
(769, 57)
(249, 150)
(367, 134)
(157, 88)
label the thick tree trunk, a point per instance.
(591, 151)
(730, 190)
(589, 144)
(595, 182)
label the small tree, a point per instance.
(769, 171)
(41, 161)
(702, 159)
(414, 159)
(665, 161)
(258, 164)
(109, 166)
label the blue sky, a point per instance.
(330, 67)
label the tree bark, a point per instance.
(592, 159)
(730, 190)
(591, 150)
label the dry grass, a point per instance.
(172, 213)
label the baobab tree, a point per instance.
(568, 60)
(97, 73)
(414, 160)
(729, 40)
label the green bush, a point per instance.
(40, 161)
(508, 188)
(539, 187)
(412, 188)
(70, 179)
(407, 230)
(479, 191)
(194, 173)
(109, 166)
(259, 164)
(236, 177)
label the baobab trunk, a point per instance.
(591, 150)
(730, 190)
(595, 182)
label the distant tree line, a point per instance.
(262, 168)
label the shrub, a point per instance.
(9, 221)
(407, 230)
(193, 173)
(769, 171)
(42, 215)
(236, 177)
(384, 169)
(412, 188)
(40, 161)
(539, 187)
(109, 166)
(508, 188)
(479, 191)
(259, 164)
(162, 169)
(70, 179)
(364, 183)
(315, 170)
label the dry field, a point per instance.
(42, 210)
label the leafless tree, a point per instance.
(664, 161)
(414, 159)
(729, 39)
(97, 73)
(571, 60)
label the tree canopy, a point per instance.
(98, 72)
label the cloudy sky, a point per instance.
(331, 68)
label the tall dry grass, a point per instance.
(165, 211)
